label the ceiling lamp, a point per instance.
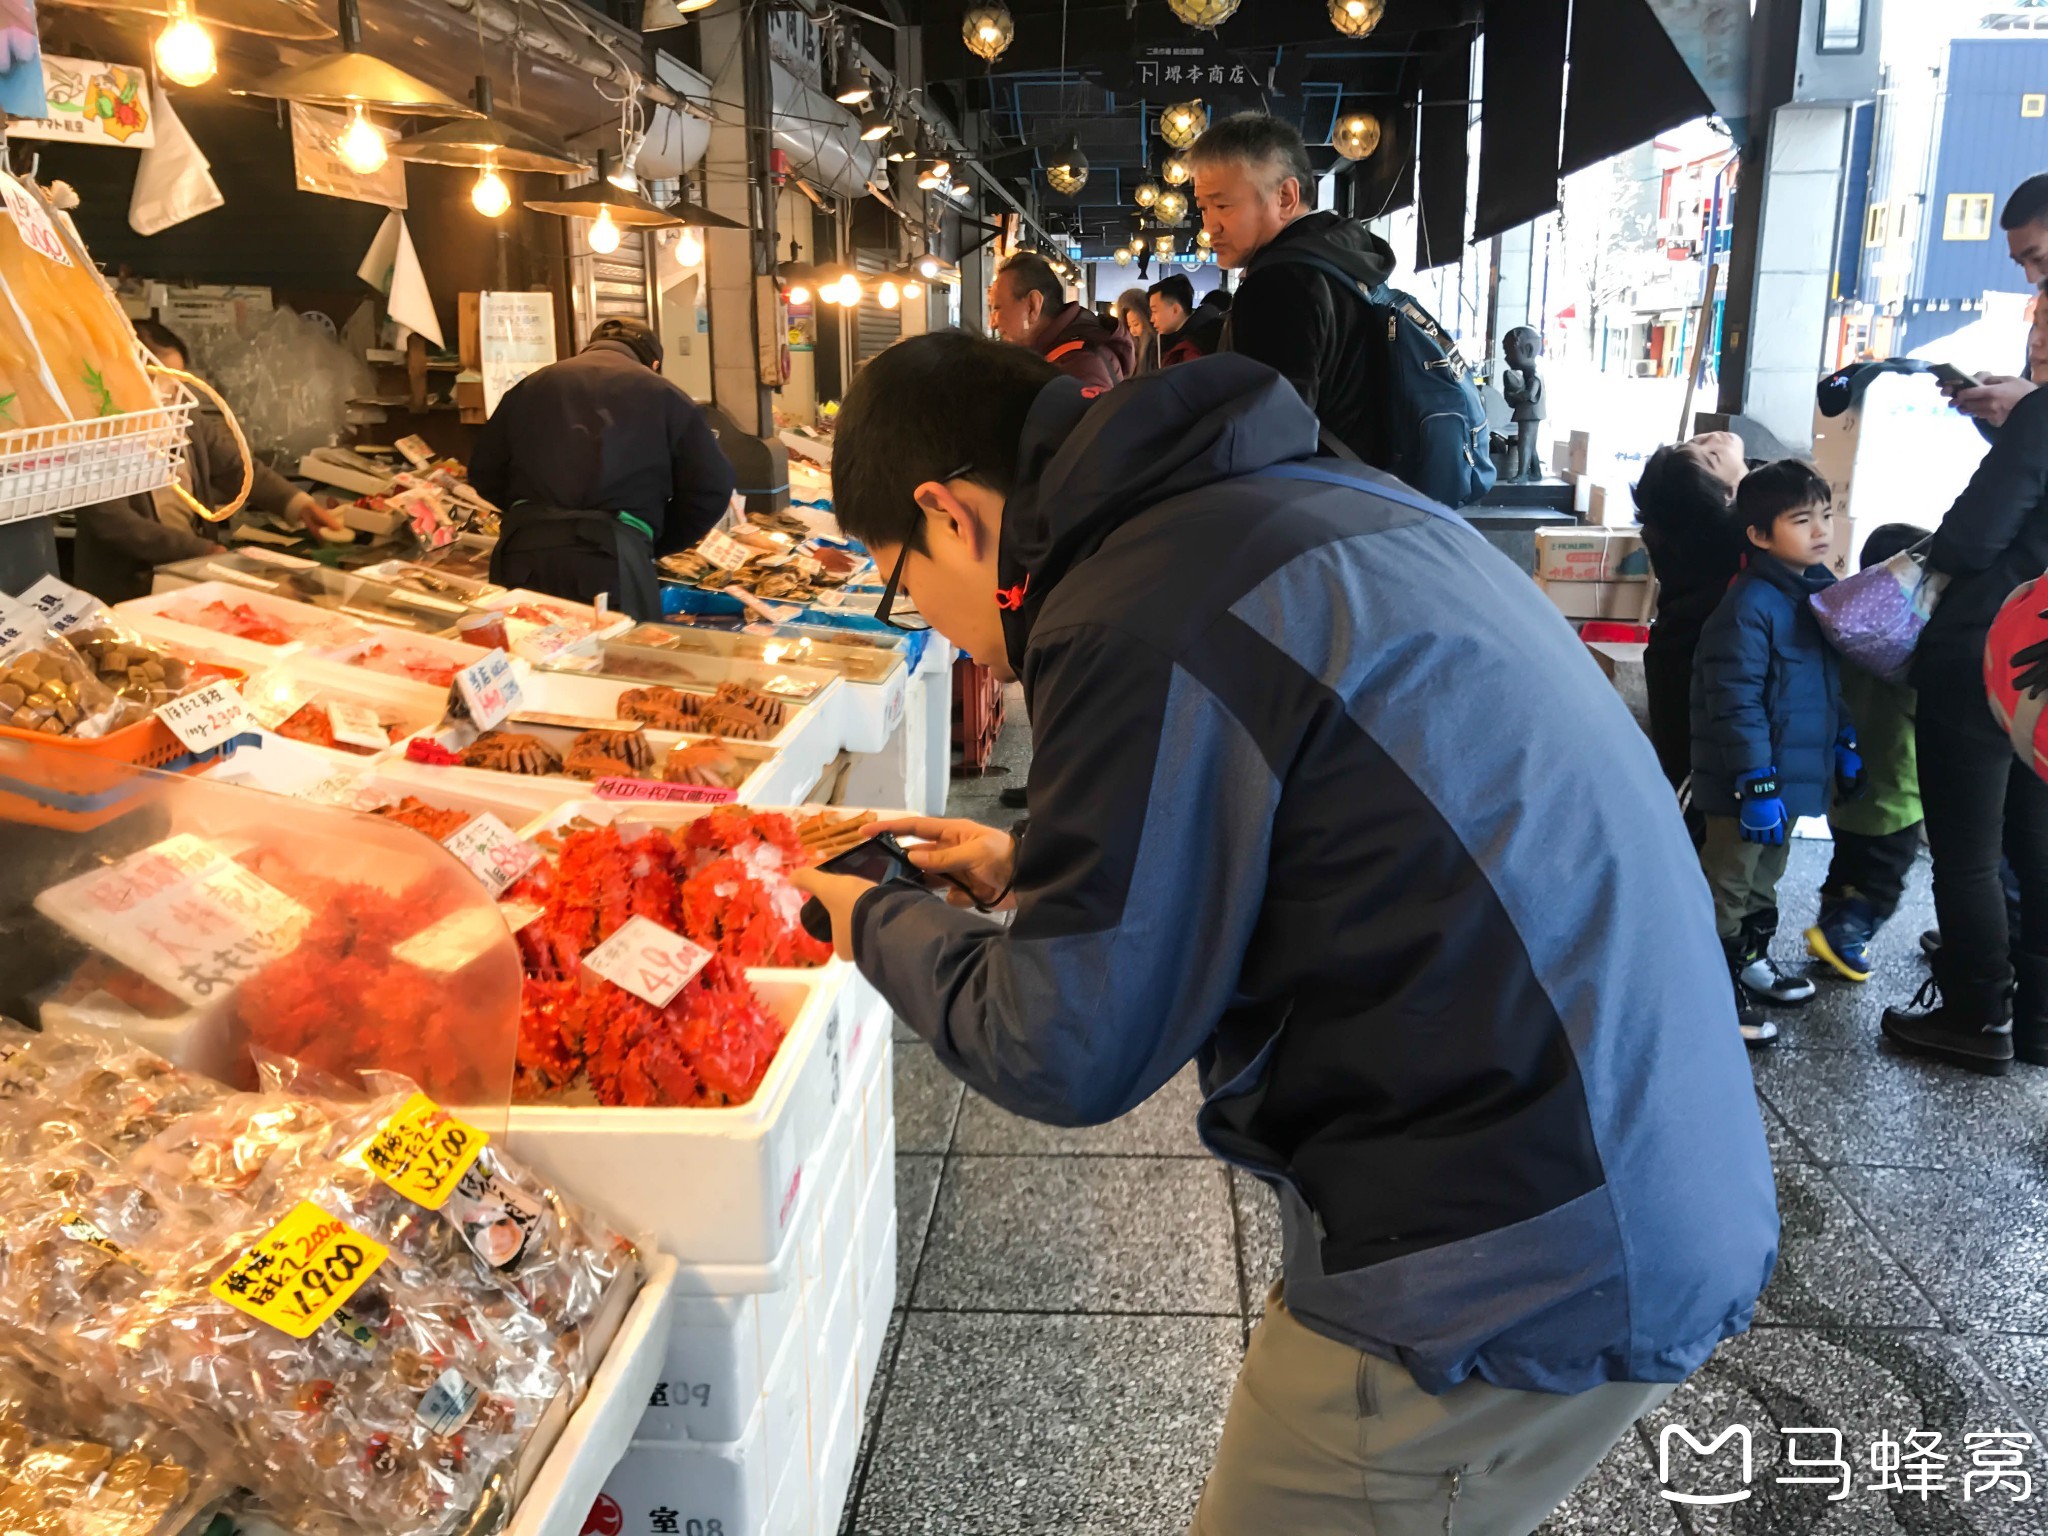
(1068, 172)
(1147, 194)
(1202, 237)
(875, 125)
(1207, 15)
(1356, 18)
(888, 295)
(929, 267)
(912, 288)
(1163, 245)
(294, 20)
(1356, 135)
(1183, 123)
(931, 173)
(486, 145)
(184, 49)
(900, 148)
(852, 85)
(610, 208)
(987, 30)
(1121, 256)
(1176, 170)
(1172, 206)
(490, 196)
(689, 249)
(687, 213)
(795, 275)
(354, 81)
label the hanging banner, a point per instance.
(319, 167)
(21, 65)
(392, 267)
(515, 337)
(92, 103)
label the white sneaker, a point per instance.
(1758, 1032)
(1764, 980)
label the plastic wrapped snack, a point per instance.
(47, 687)
(143, 673)
(72, 1464)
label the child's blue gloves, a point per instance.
(1848, 765)
(1762, 813)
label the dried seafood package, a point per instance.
(73, 1465)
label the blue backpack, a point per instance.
(1436, 421)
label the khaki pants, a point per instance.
(1324, 1439)
(1743, 876)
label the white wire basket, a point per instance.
(77, 463)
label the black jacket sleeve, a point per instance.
(490, 461)
(1284, 318)
(2010, 485)
(704, 478)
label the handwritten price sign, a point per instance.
(301, 1271)
(489, 689)
(356, 724)
(38, 230)
(648, 961)
(491, 851)
(422, 1152)
(206, 717)
(724, 551)
(682, 794)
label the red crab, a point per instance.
(711, 1046)
(748, 914)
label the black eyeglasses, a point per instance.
(885, 610)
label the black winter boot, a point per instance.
(1760, 973)
(2030, 1010)
(1757, 1031)
(1967, 1025)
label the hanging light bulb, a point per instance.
(1147, 194)
(1183, 123)
(1202, 237)
(361, 145)
(931, 174)
(929, 266)
(604, 234)
(961, 192)
(1356, 18)
(912, 288)
(1208, 15)
(888, 295)
(1176, 170)
(184, 49)
(1122, 256)
(490, 196)
(690, 248)
(799, 294)
(1163, 245)
(1356, 135)
(987, 30)
(1172, 206)
(875, 125)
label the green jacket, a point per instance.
(1883, 713)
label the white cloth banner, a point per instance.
(392, 267)
(174, 180)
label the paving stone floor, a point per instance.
(1073, 1304)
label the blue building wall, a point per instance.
(1855, 201)
(1986, 146)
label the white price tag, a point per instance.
(356, 725)
(491, 851)
(450, 944)
(648, 961)
(416, 451)
(892, 709)
(548, 642)
(37, 229)
(489, 688)
(807, 565)
(724, 551)
(831, 597)
(206, 717)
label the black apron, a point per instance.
(577, 554)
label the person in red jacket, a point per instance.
(1028, 304)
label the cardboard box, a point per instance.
(1579, 453)
(1630, 602)
(1590, 554)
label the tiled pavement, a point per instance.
(1073, 1304)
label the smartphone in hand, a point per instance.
(1952, 376)
(878, 859)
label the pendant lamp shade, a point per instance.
(292, 20)
(484, 141)
(590, 199)
(698, 216)
(353, 78)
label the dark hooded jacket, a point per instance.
(1201, 336)
(1694, 564)
(1321, 336)
(1085, 346)
(1309, 758)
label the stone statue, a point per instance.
(1522, 385)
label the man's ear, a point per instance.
(948, 516)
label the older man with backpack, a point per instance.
(1385, 380)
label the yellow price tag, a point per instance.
(423, 1151)
(297, 1274)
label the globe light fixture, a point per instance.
(1122, 256)
(1356, 18)
(1163, 245)
(1356, 135)
(1207, 15)
(184, 49)
(1177, 170)
(1183, 123)
(1172, 207)
(987, 30)
(1068, 171)
(1147, 194)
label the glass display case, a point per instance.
(394, 594)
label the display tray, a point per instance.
(542, 628)
(707, 1185)
(422, 662)
(180, 618)
(767, 771)
(552, 691)
(557, 1496)
(300, 683)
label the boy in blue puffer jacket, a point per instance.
(1770, 738)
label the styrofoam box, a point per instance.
(146, 616)
(843, 1184)
(877, 1214)
(878, 1299)
(871, 1053)
(433, 648)
(707, 1185)
(789, 1511)
(522, 631)
(408, 707)
(831, 1329)
(832, 1472)
(873, 712)
(664, 1487)
(720, 1351)
(548, 790)
(878, 1107)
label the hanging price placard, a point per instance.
(206, 717)
(422, 1151)
(493, 853)
(489, 689)
(648, 961)
(297, 1274)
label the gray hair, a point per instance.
(1261, 143)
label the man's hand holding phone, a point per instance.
(973, 863)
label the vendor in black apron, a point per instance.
(600, 465)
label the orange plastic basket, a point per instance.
(63, 782)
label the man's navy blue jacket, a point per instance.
(1766, 691)
(1327, 797)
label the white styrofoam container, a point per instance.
(878, 1300)
(789, 1510)
(598, 1432)
(707, 1185)
(407, 707)
(832, 1472)
(812, 733)
(868, 1053)
(548, 790)
(399, 643)
(311, 626)
(839, 1210)
(720, 1350)
(877, 1216)
(662, 1488)
(521, 632)
(878, 1109)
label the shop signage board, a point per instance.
(92, 103)
(516, 337)
(318, 167)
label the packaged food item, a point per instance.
(313, 724)
(394, 658)
(74, 1464)
(431, 820)
(47, 687)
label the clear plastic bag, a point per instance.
(47, 687)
